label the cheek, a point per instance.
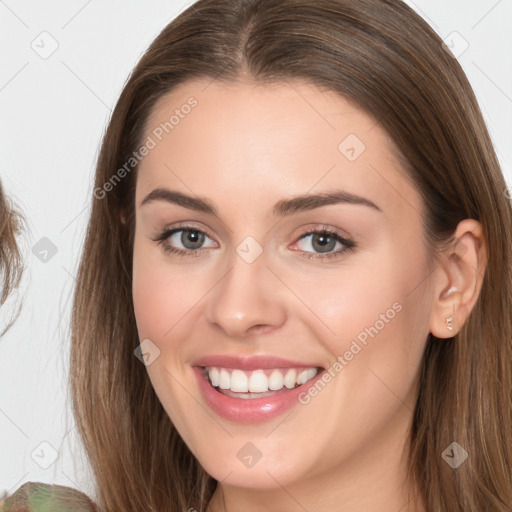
(384, 291)
(349, 302)
(373, 314)
(149, 304)
(159, 299)
(161, 293)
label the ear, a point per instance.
(122, 216)
(458, 279)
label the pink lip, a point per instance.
(251, 362)
(253, 410)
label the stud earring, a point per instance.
(449, 325)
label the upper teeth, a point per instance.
(258, 381)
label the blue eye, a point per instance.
(322, 243)
(191, 239)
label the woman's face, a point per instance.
(300, 247)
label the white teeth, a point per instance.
(214, 376)
(276, 380)
(224, 379)
(311, 373)
(306, 375)
(290, 378)
(239, 381)
(258, 381)
(301, 378)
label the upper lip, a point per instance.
(250, 362)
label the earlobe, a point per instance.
(122, 217)
(458, 279)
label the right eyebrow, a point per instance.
(173, 196)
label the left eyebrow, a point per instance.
(282, 208)
(311, 201)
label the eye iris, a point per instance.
(324, 243)
(192, 239)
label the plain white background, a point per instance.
(54, 109)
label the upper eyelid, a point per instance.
(347, 242)
(341, 239)
(303, 231)
(186, 226)
(307, 231)
(324, 229)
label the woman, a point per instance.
(296, 284)
(31, 496)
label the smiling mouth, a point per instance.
(260, 383)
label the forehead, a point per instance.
(224, 140)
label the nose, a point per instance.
(247, 300)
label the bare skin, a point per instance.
(244, 148)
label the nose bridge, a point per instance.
(247, 295)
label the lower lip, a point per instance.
(251, 410)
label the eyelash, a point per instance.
(350, 245)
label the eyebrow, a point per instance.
(282, 208)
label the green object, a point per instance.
(40, 497)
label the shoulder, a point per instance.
(40, 497)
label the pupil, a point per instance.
(192, 239)
(324, 243)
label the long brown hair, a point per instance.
(11, 264)
(383, 57)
